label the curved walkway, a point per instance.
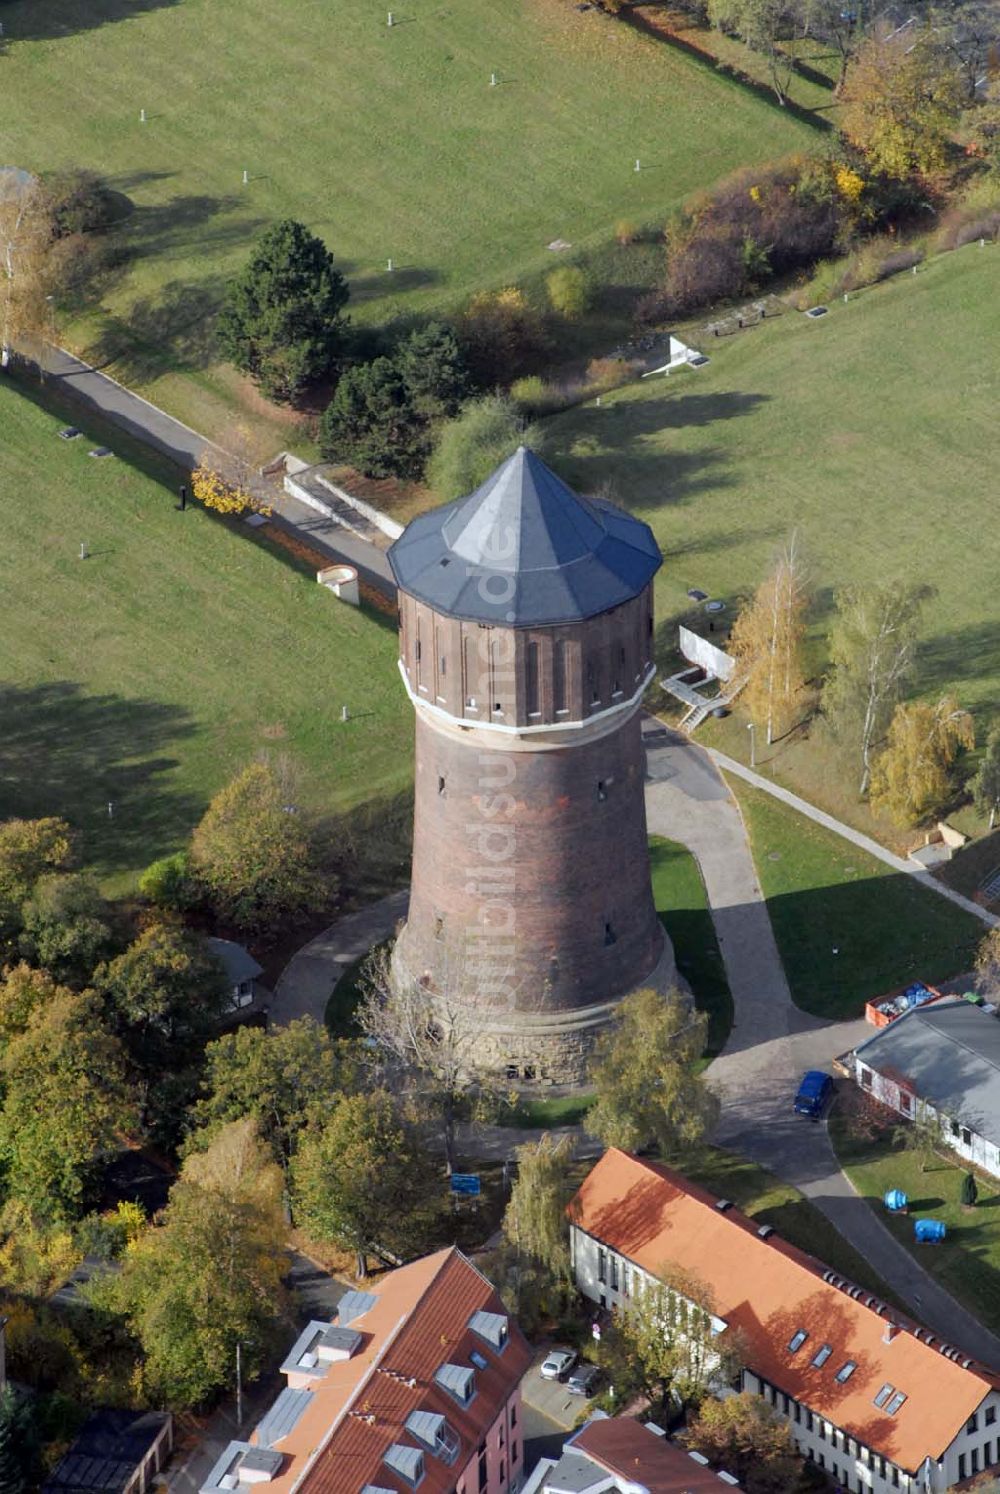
(772, 1041)
(306, 984)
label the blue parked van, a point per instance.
(814, 1091)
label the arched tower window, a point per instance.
(559, 676)
(531, 679)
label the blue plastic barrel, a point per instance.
(929, 1231)
(895, 1200)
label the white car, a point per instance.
(558, 1364)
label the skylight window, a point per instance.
(846, 1371)
(798, 1339)
(479, 1360)
(821, 1355)
(895, 1403)
(883, 1395)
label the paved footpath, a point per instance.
(306, 984)
(864, 842)
(173, 439)
(772, 1041)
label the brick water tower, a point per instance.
(526, 643)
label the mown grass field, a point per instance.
(872, 432)
(848, 927)
(147, 674)
(682, 903)
(390, 142)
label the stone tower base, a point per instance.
(548, 1047)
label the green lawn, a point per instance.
(682, 904)
(147, 674)
(824, 894)
(763, 1196)
(967, 1262)
(872, 432)
(390, 142)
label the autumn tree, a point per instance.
(277, 1078)
(642, 1070)
(19, 1442)
(767, 641)
(872, 646)
(23, 992)
(28, 850)
(282, 321)
(988, 965)
(902, 95)
(226, 477)
(912, 776)
(430, 1039)
(568, 292)
(67, 1103)
(920, 1135)
(66, 926)
(502, 337)
(359, 1179)
(664, 1343)
(253, 852)
(209, 1276)
(986, 784)
(534, 1221)
(746, 1437)
(25, 240)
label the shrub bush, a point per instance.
(568, 292)
(484, 433)
(876, 260)
(974, 216)
(502, 337)
(625, 232)
(170, 882)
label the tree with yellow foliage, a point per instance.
(912, 776)
(767, 640)
(902, 94)
(224, 477)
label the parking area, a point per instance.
(550, 1398)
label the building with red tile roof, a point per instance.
(874, 1398)
(618, 1455)
(414, 1385)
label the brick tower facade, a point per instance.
(526, 630)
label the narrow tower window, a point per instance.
(440, 783)
(531, 679)
(610, 937)
(559, 677)
(602, 791)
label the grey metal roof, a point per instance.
(458, 1379)
(223, 1465)
(238, 963)
(490, 1325)
(950, 1055)
(283, 1415)
(354, 1305)
(426, 1426)
(307, 1341)
(575, 1474)
(524, 550)
(404, 1460)
(340, 1341)
(262, 1460)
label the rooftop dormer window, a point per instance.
(458, 1380)
(406, 1462)
(491, 1326)
(434, 1432)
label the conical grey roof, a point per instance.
(524, 550)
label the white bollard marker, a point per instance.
(638, 167)
(493, 80)
(246, 178)
(343, 713)
(388, 265)
(142, 116)
(83, 551)
(390, 19)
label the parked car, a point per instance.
(558, 1364)
(814, 1092)
(583, 1380)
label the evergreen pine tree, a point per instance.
(15, 1444)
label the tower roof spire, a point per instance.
(525, 550)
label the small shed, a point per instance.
(116, 1452)
(241, 970)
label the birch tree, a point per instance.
(913, 776)
(767, 641)
(872, 649)
(535, 1218)
(986, 784)
(431, 1037)
(25, 239)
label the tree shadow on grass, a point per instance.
(29, 21)
(664, 478)
(176, 327)
(159, 228)
(66, 752)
